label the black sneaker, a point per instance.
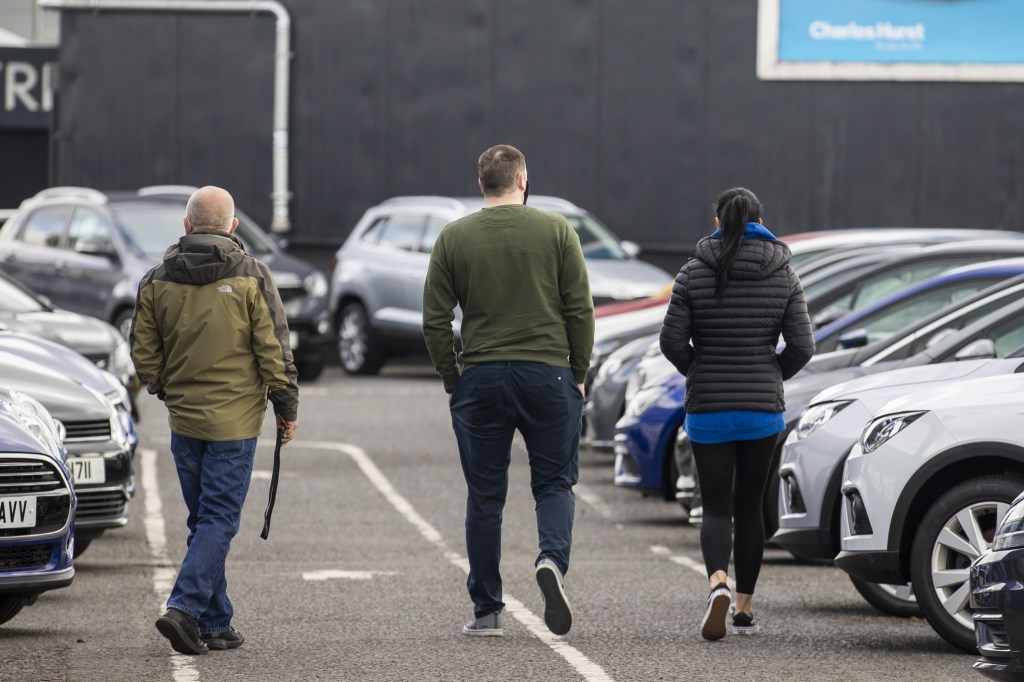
(744, 624)
(712, 626)
(226, 639)
(182, 631)
(557, 612)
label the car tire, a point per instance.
(944, 549)
(310, 367)
(123, 321)
(892, 600)
(357, 348)
(10, 605)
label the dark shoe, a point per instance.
(712, 626)
(485, 626)
(226, 639)
(557, 612)
(182, 631)
(744, 624)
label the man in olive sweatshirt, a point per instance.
(527, 333)
(210, 339)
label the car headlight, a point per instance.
(882, 429)
(1010, 532)
(643, 399)
(120, 364)
(816, 416)
(315, 284)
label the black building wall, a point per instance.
(640, 110)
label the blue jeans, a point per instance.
(214, 477)
(490, 402)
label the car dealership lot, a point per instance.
(353, 584)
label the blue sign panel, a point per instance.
(902, 31)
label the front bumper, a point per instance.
(105, 504)
(997, 598)
(33, 566)
(809, 543)
(873, 567)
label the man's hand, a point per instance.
(288, 427)
(582, 391)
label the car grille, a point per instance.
(28, 476)
(101, 504)
(25, 556)
(291, 293)
(98, 429)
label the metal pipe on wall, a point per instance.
(280, 195)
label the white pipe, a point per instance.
(282, 56)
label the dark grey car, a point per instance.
(86, 251)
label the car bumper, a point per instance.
(34, 566)
(873, 567)
(810, 543)
(105, 504)
(997, 598)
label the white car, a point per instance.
(925, 487)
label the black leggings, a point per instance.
(718, 464)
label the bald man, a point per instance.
(210, 339)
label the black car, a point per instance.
(997, 598)
(86, 251)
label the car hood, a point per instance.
(874, 389)
(632, 324)
(974, 395)
(14, 437)
(625, 279)
(801, 389)
(61, 359)
(63, 398)
(87, 335)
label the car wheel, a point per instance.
(310, 367)
(955, 530)
(123, 322)
(10, 605)
(356, 346)
(893, 600)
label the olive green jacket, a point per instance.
(210, 338)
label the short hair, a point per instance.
(210, 208)
(498, 168)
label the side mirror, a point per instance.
(829, 316)
(979, 349)
(632, 249)
(45, 301)
(280, 240)
(858, 338)
(96, 247)
(939, 337)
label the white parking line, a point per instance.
(696, 566)
(335, 574)
(587, 669)
(156, 538)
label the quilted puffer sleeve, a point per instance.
(796, 330)
(676, 330)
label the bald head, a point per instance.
(210, 208)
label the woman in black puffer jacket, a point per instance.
(732, 301)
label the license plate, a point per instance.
(17, 512)
(88, 470)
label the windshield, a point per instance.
(597, 242)
(149, 230)
(14, 300)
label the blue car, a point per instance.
(37, 505)
(901, 324)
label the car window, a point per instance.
(876, 288)
(597, 241)
(14, 300)
(253, 240)
(1008, 336)
(150, 229)
(45, 226)
(87, 226)
(434, 227)
(963, 321)
(402, 231)
(884, 323)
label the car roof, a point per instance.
(467, 205)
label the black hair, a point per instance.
(734, 208)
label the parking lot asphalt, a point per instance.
(363, 575)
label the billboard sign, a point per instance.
(923, 40)
(26, 86)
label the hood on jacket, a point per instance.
(202, 257)
(756, 259)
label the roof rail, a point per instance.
(426, 199)
(68, 192)
(166, 189)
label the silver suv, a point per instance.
(378, 273)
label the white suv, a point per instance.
(378, 273)
(924, 489)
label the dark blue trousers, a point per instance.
(490, 403)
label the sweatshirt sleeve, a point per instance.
(273, 351)
(146, 344)
(677, 328)
(796, 330)
(439, 303)
(577, 304)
